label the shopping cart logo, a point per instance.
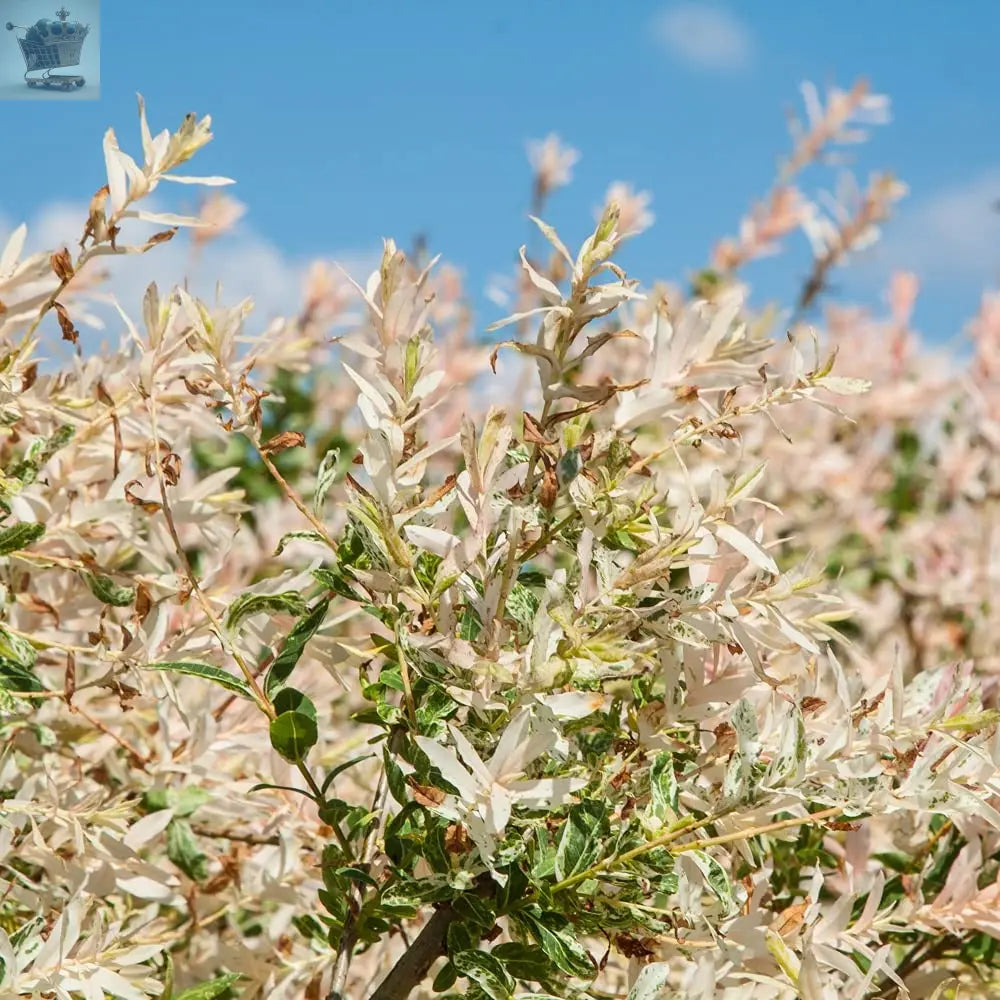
(49, 45)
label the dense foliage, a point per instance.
(365, 666)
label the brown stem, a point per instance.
(291, 494)
(240, 837)
(416, 961)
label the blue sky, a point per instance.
(345, 122)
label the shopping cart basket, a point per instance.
(49, 45)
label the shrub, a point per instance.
(485, 700)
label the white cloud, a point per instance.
(243, 261)
(952, 234)
(705, 36)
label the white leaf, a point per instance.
(446, 762)
(746, 547)
(369, 391)
(144, 888)
(209, 181)
(550, 234)
(425, 453)
(143, 831)
(470, 758)
(147, 139)
(546, 791)
(843, 386)
(574, 704)
(433, 540)
(650, 982)
(116, 171)
(115, 985)
(12, 251)
(166, 218)
(546, 287)
(360, 346)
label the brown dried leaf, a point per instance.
(282, 442)
(533, 431)
(725, 739)
(811, 704)
(171, 466)
(457, 840)
(635, 947)
(97, 223)
(550, 488)
(161, 237)
(143, 602)
(69, 684)
(443, 490)
(790, 919)
(427, 795)
(69, 331)
(62, 265)
(149, 506)
(105, 397)
(36, 605)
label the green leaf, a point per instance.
(580, 838)
(515, 889)
(14, 677)
(663, 785)
(8, 703)
(486, 972)
(340, 768)
(211, 989)
(39, 453)
(445, 979)
(108, 592)
(411, 365)
(267, 786)
(17, 649)
(325, 478)
(311, 536)
(435, 707)
(357, 875)
(462, 936)
(293, 735)
(302, 631)
(523, 961)
(334, 579)
(188, 800)
(215, 674)
(19, 536)
(182, 849)
(569, 466)
(522, 605)
(396, 779)
(290, 700)
(184, 803)
(716, 878)
(246, 605)
(558, 940)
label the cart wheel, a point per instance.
(67, 86)
(32, 83)
(80, 82)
